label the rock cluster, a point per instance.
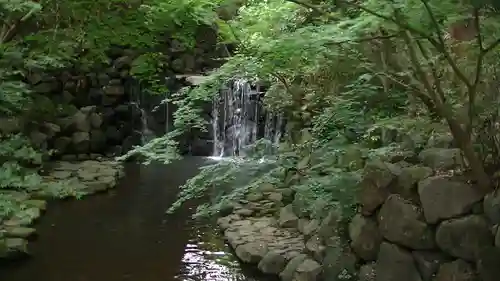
(265, 233)
(85, 178)
(415, 224)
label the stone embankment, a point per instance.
(416, 222)
(75, 178)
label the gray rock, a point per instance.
(457, 270)
(95, 120)
(464, 237)
(441, 158)
(315, 248)
(287, 218)
(428, 263)
(81, 141)
(408, 179)
(402, 222)
(365, 237)
(395, 264)
(339, 263)
(367, 272)
(81, 122)
(443, 198)
(374, 186)
(272, 263)
(288, 273)
(251, 252)
(308, 270)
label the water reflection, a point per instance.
(126, 235)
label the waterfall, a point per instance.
(236, 113)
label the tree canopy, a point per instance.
(345, 74)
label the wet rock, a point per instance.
(288, 273)
(441, 158)
(251, 252)
(464, 237)
(272, 263)
(374, 186)
(458, 270)
(255, 196)
(287, 218)
(402, 222)
(395, 264)
(308, 270)
(428, 263)
(443, 198)
(365, 237)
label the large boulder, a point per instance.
(365, 237)
(464, 237)
(403, 223)
(374, 187)
(443, 198)
(395, 264)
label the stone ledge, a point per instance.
(85, 177)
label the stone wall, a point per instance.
(416, 222)
(420, 223)
(86, 113)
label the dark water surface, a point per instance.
(126, 235)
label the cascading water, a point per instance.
(235, 120)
